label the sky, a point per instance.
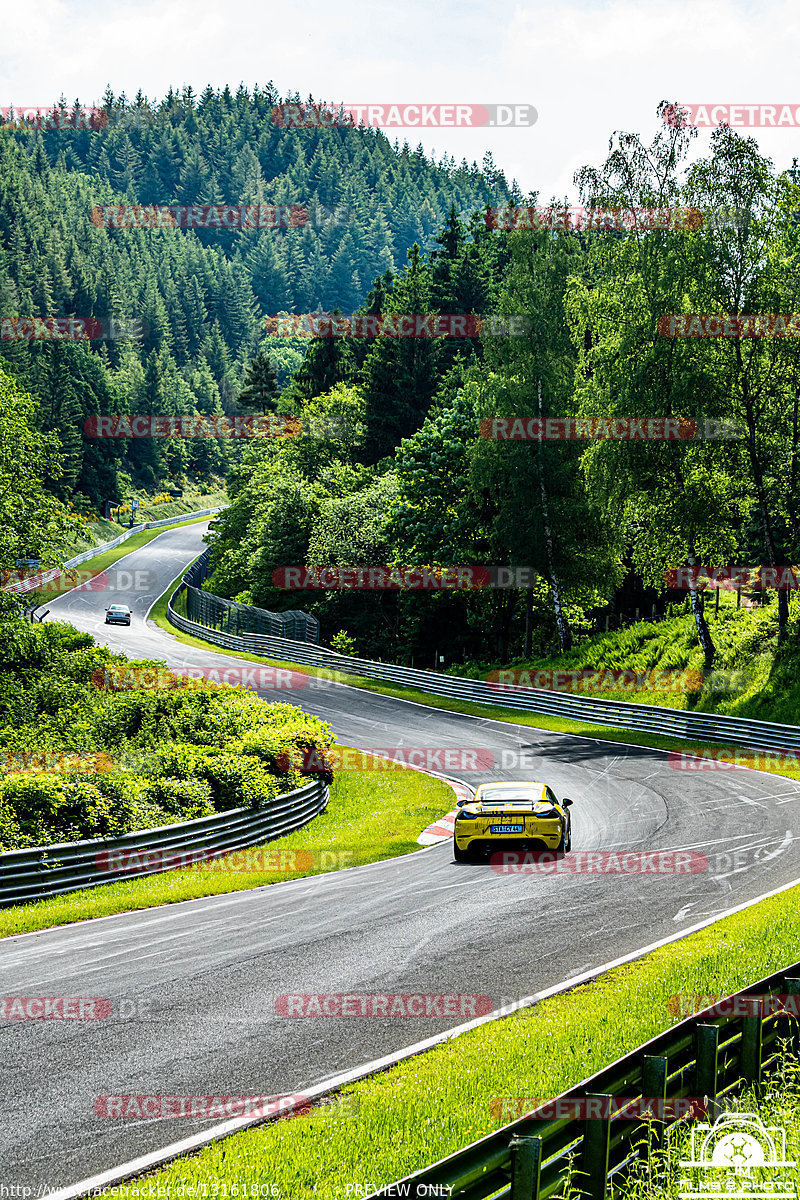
(588, 69)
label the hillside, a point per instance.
(201, 295)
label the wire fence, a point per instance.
(231, 617)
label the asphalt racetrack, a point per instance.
(200, 979)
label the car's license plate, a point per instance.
(506, 829)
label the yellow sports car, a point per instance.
(525, 815)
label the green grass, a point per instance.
(754, 677)
(101, 530)
(72, 576)
(437, 1102)
(372, 815)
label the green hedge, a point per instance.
(108, 762)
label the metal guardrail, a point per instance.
(229, 616)
(647, 718)
(36, 580)
(34, 874)
(707, 1055)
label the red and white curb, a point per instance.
(442, 829)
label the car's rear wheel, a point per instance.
(566, 840)
(460, 855)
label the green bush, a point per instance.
(170, 753)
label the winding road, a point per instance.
(200, 979)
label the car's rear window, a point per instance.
(501, 795)
(118, 608)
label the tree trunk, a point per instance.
(528, 622)
(564, 633)
(766, 517)
(703, 633)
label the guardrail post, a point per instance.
(654, 1087)
(752, 1030)
(596, 1145)
(526, 1163)
(706, 1041)
(793, 989)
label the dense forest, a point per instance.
(199, 296)
(416, 481)
(394, 465)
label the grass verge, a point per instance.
(372, 815)
(437, 1102)
(72, 576)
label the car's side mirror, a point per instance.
(565, 803)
